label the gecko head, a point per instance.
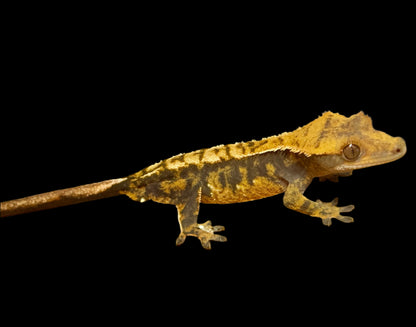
(345, 144)
(370, 152)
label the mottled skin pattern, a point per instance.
(330, 146)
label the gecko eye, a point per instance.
(351, 152)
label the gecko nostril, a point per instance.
(400, 148)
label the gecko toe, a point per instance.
(327, 221)
(181, 239)
(206, 240)
(347, 208)
(206, 244)
(207, 226)
(219, 238)
(345, 219)
(218, 228)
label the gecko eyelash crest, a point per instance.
(328, 147)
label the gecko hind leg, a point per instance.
(204, 232)
(188, 215)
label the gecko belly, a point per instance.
(261, 187)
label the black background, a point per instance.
(99, 97)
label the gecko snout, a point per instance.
(400, 147)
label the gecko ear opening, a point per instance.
(351, 152)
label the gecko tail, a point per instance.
(64, 197)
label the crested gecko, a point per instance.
(330, 146)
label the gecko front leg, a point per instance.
(295, 200)
(187, 217)
(335, 177)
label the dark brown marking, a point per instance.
(242, 147)
(228, 151)
(250, 145)
(251, 170)
(259, 144)
(222, 179)
(323, 132)
(305, 206)
(296, 143)
(190, 170)
(306, 131)
(201, 154)
(234, 176)
(179, 158)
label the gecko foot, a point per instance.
(331, 211)
(205, 232)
